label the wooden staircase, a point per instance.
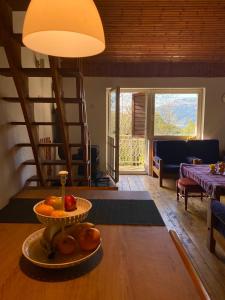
(12, 45)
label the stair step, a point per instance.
(31, 162)
(17, 37)
(53, 179)
(50, 123)
(41, 72)
(20, 145)
(50, 144)
(43, 100)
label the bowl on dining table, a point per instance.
(71, 217)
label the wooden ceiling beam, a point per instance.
(151, 38)
(156, 69)
(139, 48)
(39, 72)
(16, 36)
(43, 100)
(123, 12)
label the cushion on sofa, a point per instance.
(218, 211)
(172, 152)
(207, 150)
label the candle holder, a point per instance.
(76, 216)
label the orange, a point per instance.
(58, 213)
(44, 209)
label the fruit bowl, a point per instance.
(33, 251)
(76, 216)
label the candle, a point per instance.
(63, 177)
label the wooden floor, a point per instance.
(133, 169)
(190, 226)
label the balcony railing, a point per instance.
(132, 151)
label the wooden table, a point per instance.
(136, 262)
(214, 185)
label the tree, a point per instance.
(189, 129)
(165, 128)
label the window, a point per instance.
(177, 114)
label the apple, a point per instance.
(54, 201)
(66, 244)
(70, 203)
(76, 229)
(89, 239)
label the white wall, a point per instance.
(13, 174)
(95, 89)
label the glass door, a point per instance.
(132, 132)
(113, 133)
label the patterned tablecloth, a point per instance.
(214, 185)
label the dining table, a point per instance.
(133, 262)
(212, 183)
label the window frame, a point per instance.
(200, 111)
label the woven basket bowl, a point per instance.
(76, 216)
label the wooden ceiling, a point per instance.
(141, 34)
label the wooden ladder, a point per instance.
(12, 44)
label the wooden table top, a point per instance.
(136, 262)
(41, 193)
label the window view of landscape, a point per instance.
(176, 114)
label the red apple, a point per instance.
(54, 201)
(89, 239)
(66, 244)
(70, 202)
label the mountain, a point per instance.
(179, 111)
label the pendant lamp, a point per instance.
(65, 28)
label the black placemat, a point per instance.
(114, 212)
(125, 212)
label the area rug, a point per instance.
(108, 212)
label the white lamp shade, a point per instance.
(66, 28)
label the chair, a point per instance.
(203, 294)
(167, 157)
(216, 225)
(187, 187)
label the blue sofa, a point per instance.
(169, 154)
(216, 225)
(206, 150)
